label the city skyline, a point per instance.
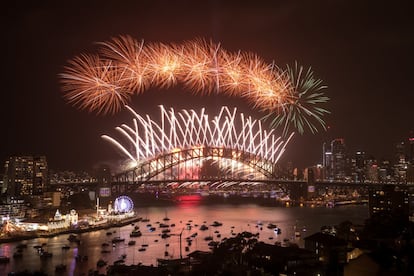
(361, 52)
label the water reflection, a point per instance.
(235, 219)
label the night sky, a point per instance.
(364, 53)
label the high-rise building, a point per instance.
(411, 147)
(26, 175)
(3, 187)
(400, 153)
(358, 167)
(371, 169)
(335, 159)
(324, 155)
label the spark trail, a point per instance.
(187, 129)
(105, 82)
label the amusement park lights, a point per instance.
(187, 129)
(105, 82)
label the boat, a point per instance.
(100, 263)
(213, 243)
(216, 224)
(117, 239)
(142, 249)
(119, 262)
(65, 247)
(203, 227)
(105, 244)
(144, 244)
(135, 233)
(165, 235)
(208, 238)
(277, 231)
(271, 226)
(166, 218)
(46, 254)
(132, 242)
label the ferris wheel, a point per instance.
(123, 204)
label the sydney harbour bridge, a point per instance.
(193, 148)
(189, 149)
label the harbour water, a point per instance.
(187, 218)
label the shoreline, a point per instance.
(167, 201)
(70, 231)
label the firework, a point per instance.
(95, 84)
(186, 129)
(105, 82)
(302, 110)
(146, 139)
(131, 56)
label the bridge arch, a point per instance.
(233, 163)
(187, 137)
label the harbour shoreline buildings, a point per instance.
(29, 187)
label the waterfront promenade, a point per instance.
(18, 236)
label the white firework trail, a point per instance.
(146, 139)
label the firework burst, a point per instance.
(302, 110)
(125, 66)
(95, 84)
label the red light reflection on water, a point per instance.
(5, 250)
(186, 201)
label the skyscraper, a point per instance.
(411, 147)
(26, 175)
(359, 168)
(335, 159)
(400, 157)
